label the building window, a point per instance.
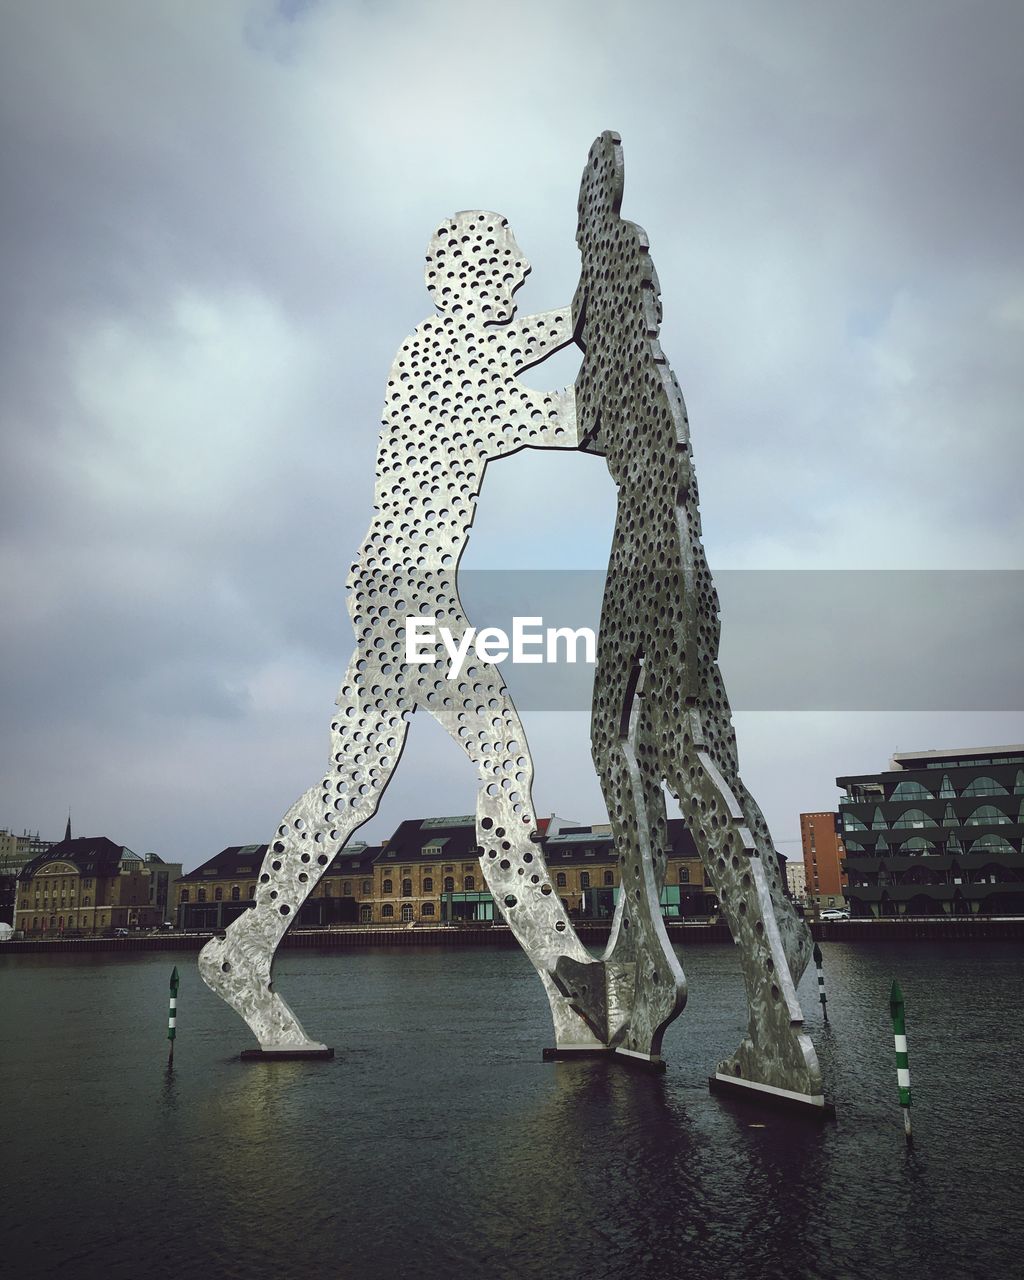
(684, 875)
(449, 884)
(236, 893)
(387, 887)
(584, 879)
(184, 896)
(327, 888)
(406, 888)
(365, 915)
(427, 909)
(387, 911)
(469, 883)
(428, 885)
(911, 791)
(984, 787)
(252, 891)
(912, 818)
(218, 893)
(346, 889)
(201, 895)
(367, 890)
(406, 912)
(609, 877)
(560, 880)
(986, 815)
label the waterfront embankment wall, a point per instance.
(924, 928)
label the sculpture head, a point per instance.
(474, 267)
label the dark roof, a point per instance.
(240, 860)
(432, 840)
(91, 855)
(581, 844)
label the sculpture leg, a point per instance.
(488, 729)
(796, 937)
(366, 744)
(646, 984)
(776, 1056)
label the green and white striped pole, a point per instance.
(172, 1014)
(816, 953)
(899, 1031)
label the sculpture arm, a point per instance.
(548, 417)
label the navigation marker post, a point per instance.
(899, 1030)
(172, 1014)
(816, 953)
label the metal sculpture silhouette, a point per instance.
(660, 714)
(661, 717)
(453, 404)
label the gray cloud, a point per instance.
(212, 226)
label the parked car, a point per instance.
(120, 933)
(835, 913)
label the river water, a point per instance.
(438, 1143)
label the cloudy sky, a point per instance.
(213, 226)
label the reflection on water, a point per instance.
(438, 1141)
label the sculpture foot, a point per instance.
(786, 1073)
(239, 972)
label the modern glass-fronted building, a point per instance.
(937, 833)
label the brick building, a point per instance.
(85, 885)
(824, 877)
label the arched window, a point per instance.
(387, 911)
(406, 912)
(912, 818)
(853, 846)
(327, 889)
(387, 887)
(449, 884)
(346, 889)
(987, 815)
(877, 821)
(852, 823)
(236, 893)
(201, 896)
(917, 843)
(367, 889)
(428, 884)
(609, 877)
(252, 891)
(983, 787)
(406, 888)
(584, 879)
(911, 791)
(427, 909)
(218, 893)
(560, 879)
(184, 896)
(684, 875)
(469, 883)
(992, 843)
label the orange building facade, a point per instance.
(823, 859)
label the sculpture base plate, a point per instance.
(814, 1106)
(285, 1055)
(585, 1051)
(622, 1056)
